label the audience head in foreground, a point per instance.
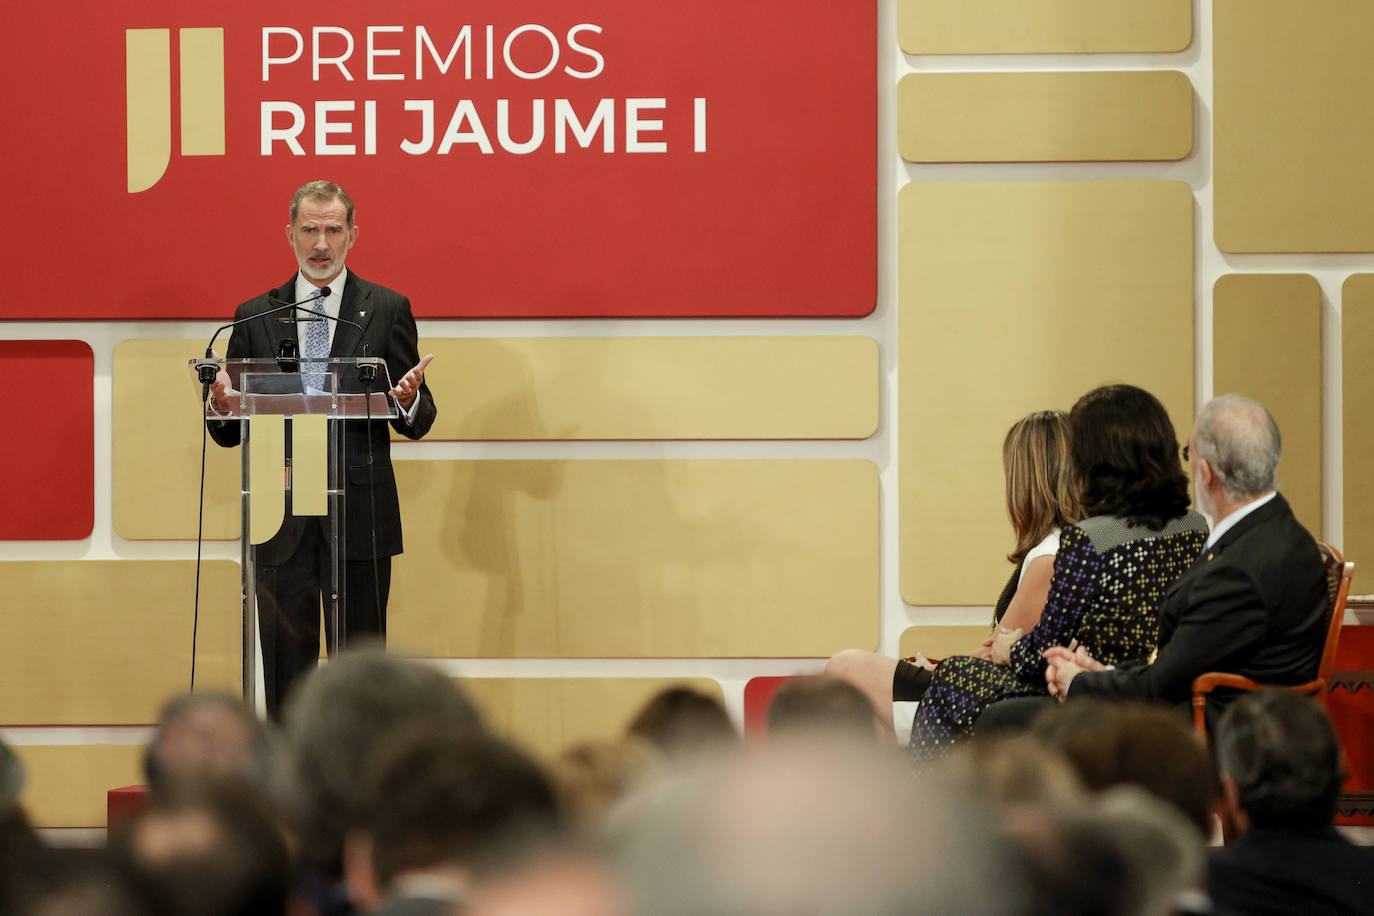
(1134, 744)
(339, 717)
(1281, 772)
(216, 849)
(213, 738)
(435, 807)
(820, 829)
(821, 705)
(685, 724)
(1280, 761)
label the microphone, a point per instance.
(367, 367)
(207, 368)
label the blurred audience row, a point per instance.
(386, 794)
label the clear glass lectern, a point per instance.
(290, 416)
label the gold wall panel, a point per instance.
(1267, 344)
(647, 558)
(202, 92)
(1045, 117)
(156, 448)
(66, 783)
(1043, 27)
(654, 387)
(547, 715)
(1014, 297)
(266, 467)
(1293, 95)
(942, 642)
(106, 642)
(1357, 428)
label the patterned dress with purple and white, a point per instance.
(1109, 578)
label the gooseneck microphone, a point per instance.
(207, 368)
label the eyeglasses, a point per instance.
(1185, 452)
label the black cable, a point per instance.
(200, 529)
(372, 510)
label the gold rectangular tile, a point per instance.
(1293, 95)
(1045, 117)
(548, 715)
(654, 387)
(1013, 297)
(643, 558)
(106, 642)
(156, 445)
(66, 784)
(1043, 27)
(1267, 344)
(1357, 430)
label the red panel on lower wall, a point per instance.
(758, 694)
(48, 462)
(1352, 712)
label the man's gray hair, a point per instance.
(1240, 440)
(324, 192)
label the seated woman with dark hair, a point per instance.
(1041, 502)
(1109, 574)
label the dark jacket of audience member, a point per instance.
(1281, 770)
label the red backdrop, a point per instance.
(776, 217)
(49, 456)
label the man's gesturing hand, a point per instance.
(409, 385)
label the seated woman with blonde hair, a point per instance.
(1110, 572)
(1041, 501)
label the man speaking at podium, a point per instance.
(293, 567)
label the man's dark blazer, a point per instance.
(1255, 603)
(389, 329)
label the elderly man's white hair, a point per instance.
(1240, 440)
(809, 830)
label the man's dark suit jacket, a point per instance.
(1255, 603)
(1273, 870)
(389, 329)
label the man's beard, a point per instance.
(315, 272)
(1203, 502)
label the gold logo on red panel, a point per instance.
(148, 87)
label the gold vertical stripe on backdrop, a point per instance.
(202, 92)
(636, 558)
(106, 642)
(148, 97)
(1267, 344)
(309, 465)
(1045, 117)
(654, 388)
(1043, 27)
(1293, 98)
(942, 642)
(548, 715)
(1357, 430)
(266, 477)
(66, 784)
(157, 478)
(1014, 297)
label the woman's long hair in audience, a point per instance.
(1126, 457)
(1041, 492)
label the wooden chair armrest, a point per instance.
(1206, 683)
